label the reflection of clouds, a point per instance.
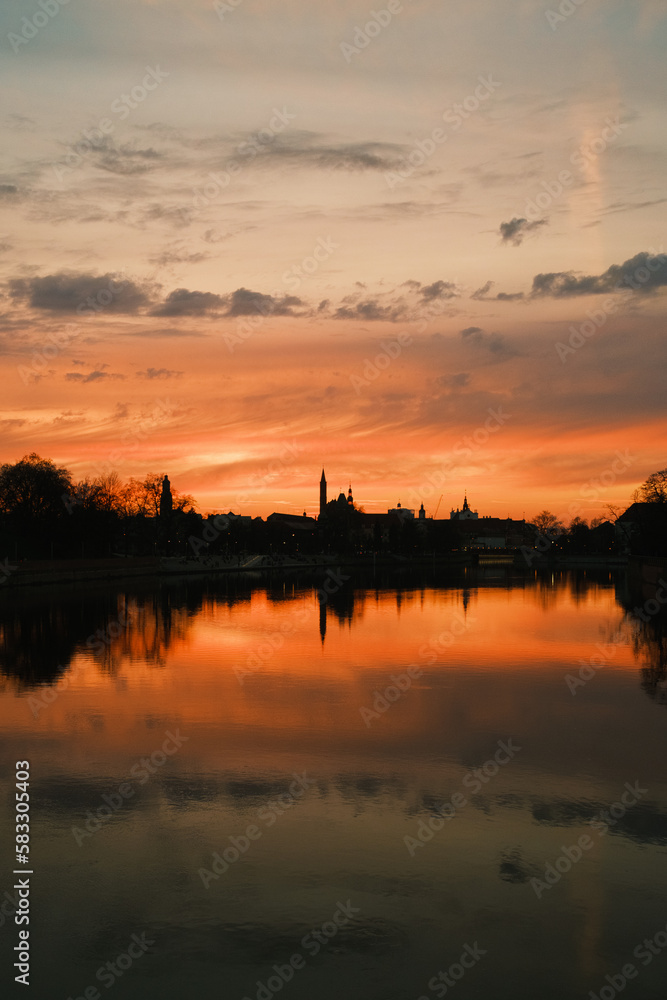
(515, 869)
(643, 822)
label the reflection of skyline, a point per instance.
(299, 712)
(113, 627)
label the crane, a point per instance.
(438, 507)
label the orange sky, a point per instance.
(283, 216)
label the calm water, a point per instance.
(211, 711)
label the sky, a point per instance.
(420, 244)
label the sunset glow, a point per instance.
(227, 237)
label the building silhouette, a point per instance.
(166, 499)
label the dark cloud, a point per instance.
(458, 381)
(438, 290)
(127, 160)
(370, 309)
(493, 342)
(177, 255)
(482, 294)
(211, 236)
(9, 191)
(95, 376)
(69, 291)
(312, 149)
(644, 273)
(182, 302)
(21, 123)
(159, 373)
(243, 302)
(516, 230)
(179, 216)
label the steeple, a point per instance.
(323, 494)
(166, 501)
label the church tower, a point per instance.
(166, 501)
(323, 494)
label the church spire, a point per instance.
(323, 494)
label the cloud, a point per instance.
(312, 149)
(95, 376)
(516, 230)
(370, 309)
(482, 294)
(9, 191)
(393, 307)
(127, 160)
(439, 290)
(182, 302)
(493, 342)
(458, 381)
(643, 273)
(69, 291)
(243, 302)
(177, 255)
(159, 373)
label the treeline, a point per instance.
(45, 513)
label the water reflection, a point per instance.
(264, 679)
(42, 631)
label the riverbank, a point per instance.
(34, 573)
(62, 571)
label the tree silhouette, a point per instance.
(33, 488)
(653, 489)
